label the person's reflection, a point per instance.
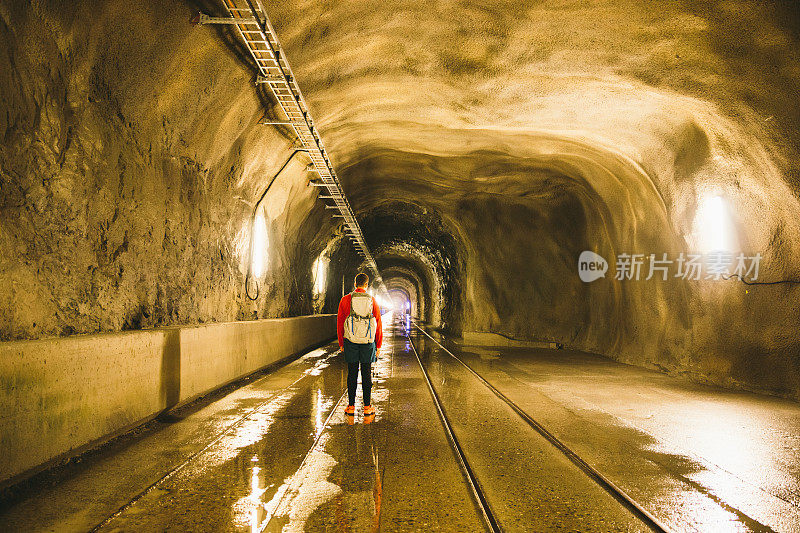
(357, 507)
(377, 491)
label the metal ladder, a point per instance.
(257, 32)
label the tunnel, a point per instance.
(580, 222)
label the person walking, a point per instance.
(360, 333)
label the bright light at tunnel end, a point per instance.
(384, 302)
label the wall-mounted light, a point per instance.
(320, 274)
(258, 245)
(713, 228)
(258, 237)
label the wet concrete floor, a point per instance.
(699, 458)
(278, 454)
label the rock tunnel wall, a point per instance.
(131, 158)
(537, 131)
(482, 146)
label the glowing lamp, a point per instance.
(258, 245)
(713, 226)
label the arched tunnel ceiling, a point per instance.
(503, 138)
(483, 145)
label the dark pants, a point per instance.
(359, 355)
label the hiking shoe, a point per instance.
(351, 410)
(369, 410)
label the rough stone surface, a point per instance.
(130, 162)
(536, 131)
(483, 144)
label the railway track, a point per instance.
(478, 493)
(481, 501)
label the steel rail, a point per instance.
(606, 484)
(292, 484)
(475, 488)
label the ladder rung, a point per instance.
(205, 19)
(272, 78)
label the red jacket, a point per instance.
(344, 312)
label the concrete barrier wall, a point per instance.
(61, 395)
